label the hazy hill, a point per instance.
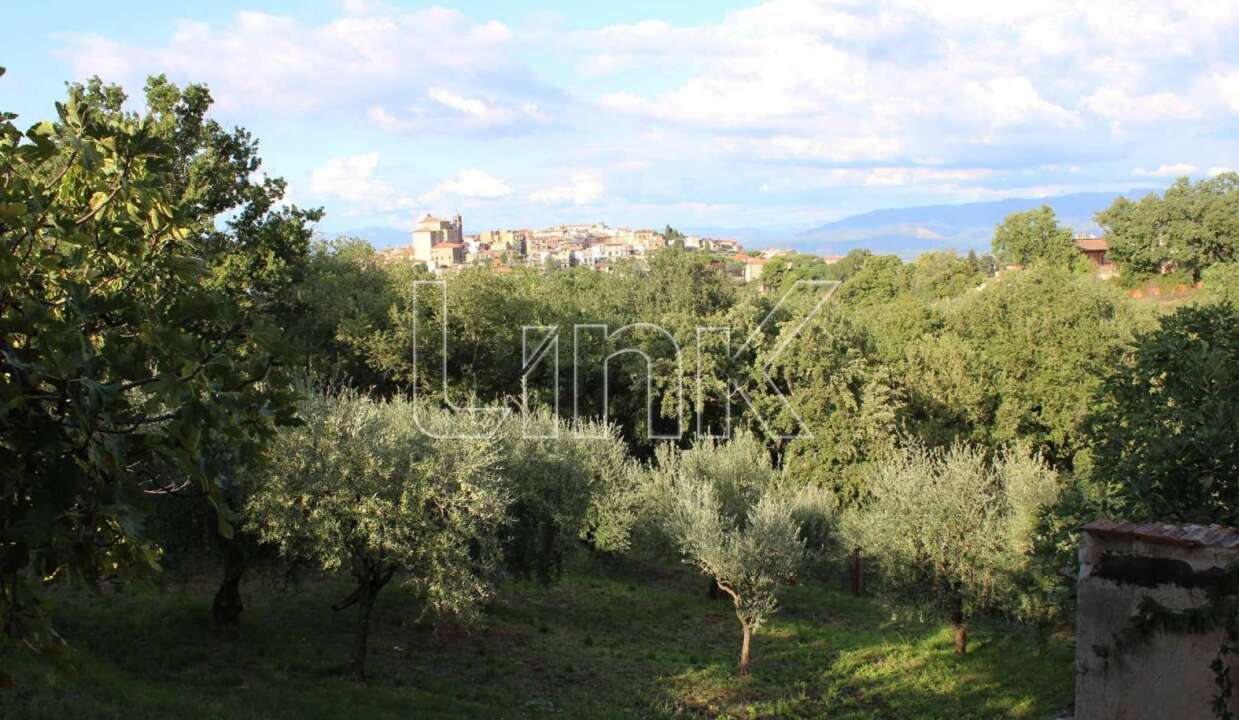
(913, 230)
(903, 231)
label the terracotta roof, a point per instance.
(1168, 534)
(447, 245)
(1092, 244)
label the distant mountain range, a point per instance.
(901, 231)
(969, 226)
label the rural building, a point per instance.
(751, 267)
(1095, 249)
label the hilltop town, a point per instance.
(444, 247)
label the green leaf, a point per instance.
(12, 210)
(187, 268)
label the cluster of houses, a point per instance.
(443, 246)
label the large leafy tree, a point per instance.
(880, 279)
(350, 299)
(1023, 358)
(1033, 235)
(1188, 228)
(256, 254)
(784, 270)
(845, 399)
(133, 327)
(1166, 426)
(359, 488)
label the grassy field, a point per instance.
(621, 643)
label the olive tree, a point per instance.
(730, 516)
(359, 488)
(953, 527)
(564, 483)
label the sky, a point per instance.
(782, 114)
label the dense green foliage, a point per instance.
(1034, 236)
(1167, 422)
(733, 519)
(1189, 228)
(136, 331)
(954, 528)
(359, 488)
(565, 484)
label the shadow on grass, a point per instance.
(623, 642)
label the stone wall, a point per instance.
(1166, 675)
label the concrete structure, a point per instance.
(1120, 676)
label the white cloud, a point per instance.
(843, 149)
(584, 189)
(468, 106)
(917, 175)
(350, 181)
(1013, 100)
(837, 103)
(931, 79)
(1215, 171)
(1113, 102)
(350, 178)
(469, 184)
(1227, 83)
(930, 179)
(1175, 170)
(365, 62)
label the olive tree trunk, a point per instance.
(961, 627)
(12, 560)
(857, 571)
(365, 605)
(744, 649)
(370, 580)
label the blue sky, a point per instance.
(782, 114)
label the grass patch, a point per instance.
(627, 642)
